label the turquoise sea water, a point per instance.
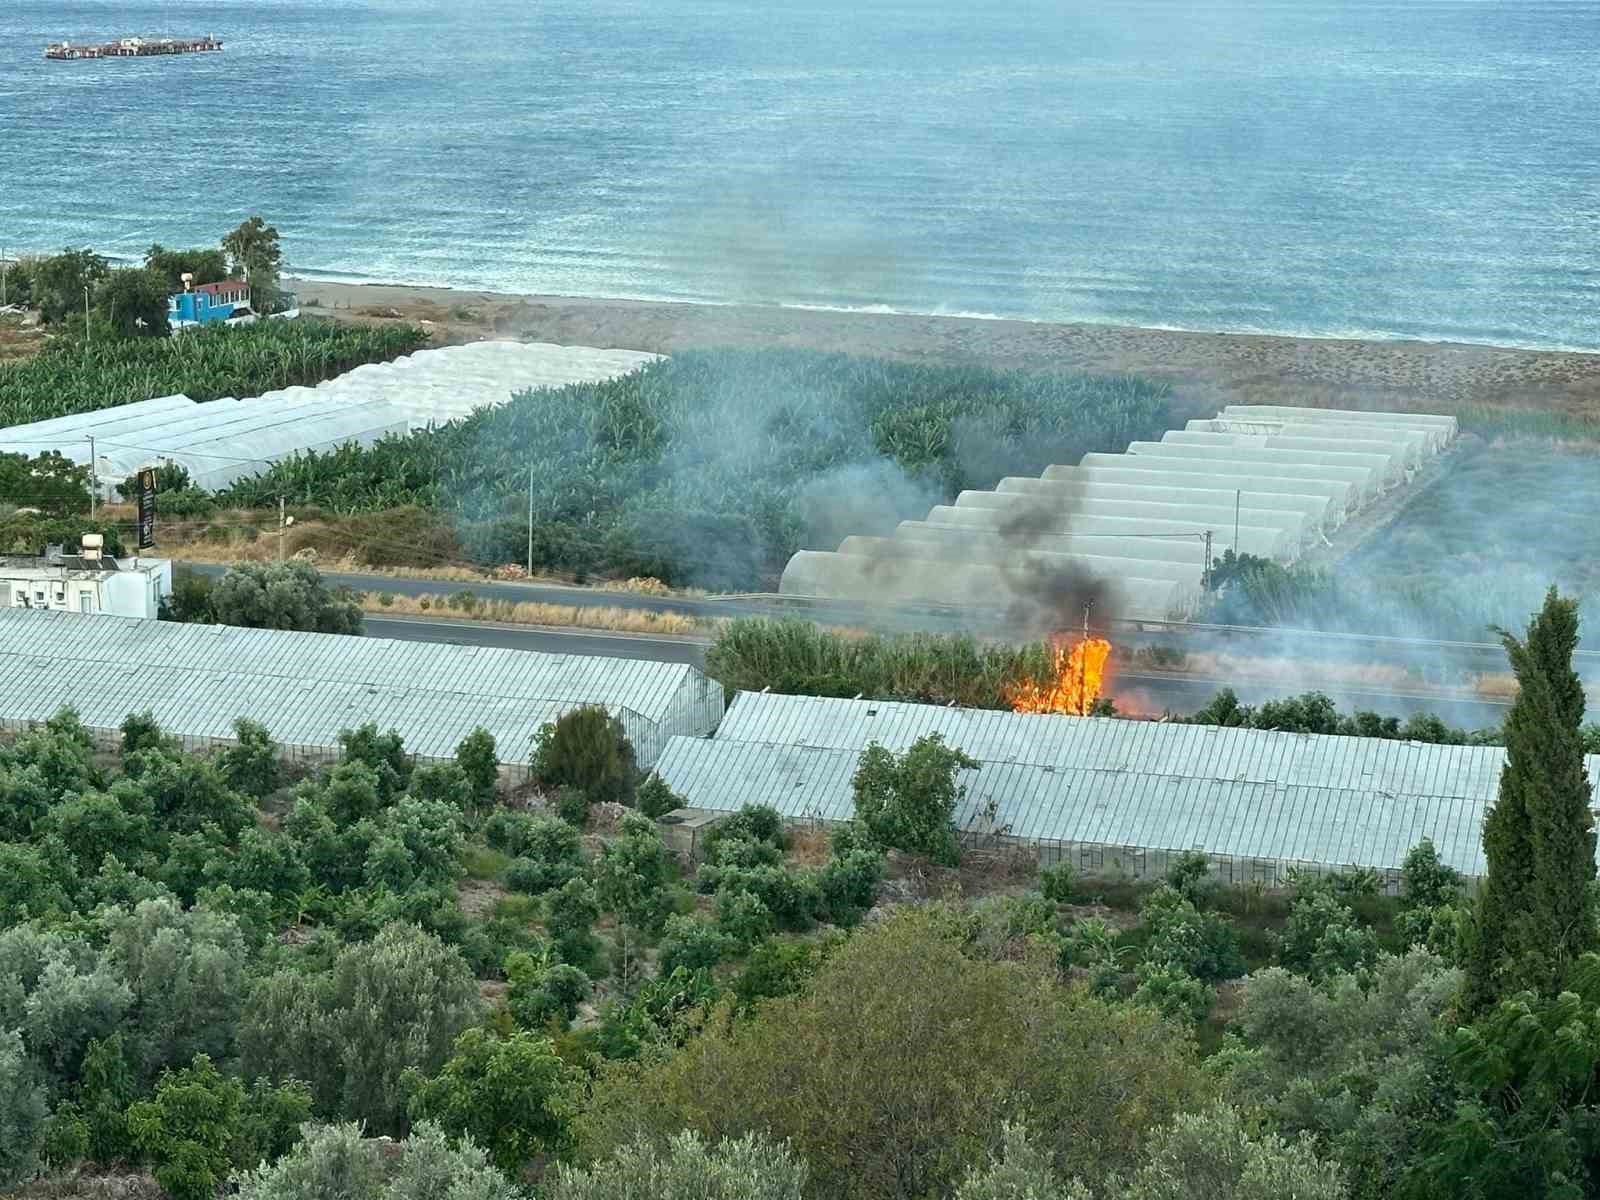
(1426, 169)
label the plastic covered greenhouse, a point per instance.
(1265, 481)
(307, 687)
(222, 440)
(1116, 796)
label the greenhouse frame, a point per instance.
(306, 687)
(1121, 796)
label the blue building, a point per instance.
(210, 303)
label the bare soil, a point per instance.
(1206, 369)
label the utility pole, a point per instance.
(1205, 577)
(94, 476)
(88, 331)
(282, 525)
(1238, 496)
(530, 521)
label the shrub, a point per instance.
(849, 885)
(23, 1111)
(655, 799)
(284, 595)
(528, 876)
(587, 749)
(775, 968)
(1173, 992)
(632, 873)
(477, 758)
(542, 989)
(1427, 881)
(570, 913)
(335, 1162)
(1057, 883)
(1203, 945)
(509, 831)
(754, 822)
(351, 1033)
(792, 897)
(383, 753)
(747, 1168)
(572, 806)
(1322, 938)
(511, 1095)
(251, 765)
(187, 1129)
(690, 943)
(908, 802)
(743, 852)
(1190, 875)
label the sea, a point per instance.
(1424, 169)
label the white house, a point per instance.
(90, 582)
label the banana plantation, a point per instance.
(712, 467)
(73, 377)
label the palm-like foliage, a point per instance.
(73, 377)
(711, 467)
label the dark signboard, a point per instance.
(147, 508)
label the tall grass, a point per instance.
(797, 657)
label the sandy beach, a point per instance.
(1206, 369)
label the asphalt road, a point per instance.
(547, 641)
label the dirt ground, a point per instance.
(1206, 369)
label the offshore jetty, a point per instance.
(132, 48)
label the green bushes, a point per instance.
(908, 802)
(510, 1095)
(588, 750)
(712, 467)
(283, 595)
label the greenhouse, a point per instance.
(1338, 496)
(1292, 525)
(223, 440)
(1268, 483)
(306, 687)
(991, 554)
(1315, 511)
(1016, 589)
(1362, 487)
(1389, 463)
(1442, 429)
(435, 386)
(1018, 532)
(1116, 796)
(1177, 550)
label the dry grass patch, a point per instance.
(610, 618)
(810, 845)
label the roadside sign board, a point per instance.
(147, 508)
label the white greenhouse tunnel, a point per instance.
(220, 441)
(1266, 481)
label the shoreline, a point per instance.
(1204, 368)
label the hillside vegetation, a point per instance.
(713, 467)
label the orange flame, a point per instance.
(1078, 674)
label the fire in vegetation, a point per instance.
(1077, 677)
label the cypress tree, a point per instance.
(1534, 913)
